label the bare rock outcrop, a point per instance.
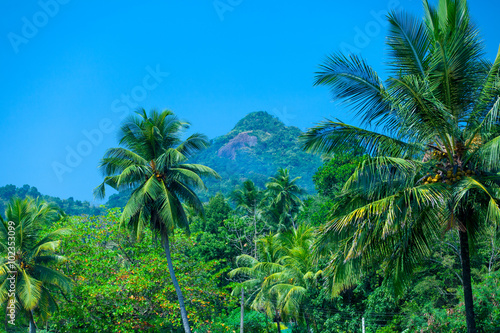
(241, 140)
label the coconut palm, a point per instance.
(282, 274)
(36, 281)
(285, 202)
(249, 200)
(431, 130)
(153, 161)
(299, 273)
(255, 270)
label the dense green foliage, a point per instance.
(332, 175)
(118, 199)
(123, 286)
(217, 236)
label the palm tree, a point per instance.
(299, 274)
(255, 270)
(21, 238)
(432, 134)
(284, 195)
(281, 275)
(249, 200)
(153, 162)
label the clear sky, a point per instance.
(71, 69)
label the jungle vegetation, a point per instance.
(396, 225)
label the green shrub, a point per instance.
(254, 322)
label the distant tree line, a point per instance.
(70, 206)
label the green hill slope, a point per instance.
(257, 146)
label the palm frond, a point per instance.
(28, 290)
(355, 83)
(409, 43)
(193, 144)
(330, 137)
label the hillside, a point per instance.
(70, 206)
(254, 149)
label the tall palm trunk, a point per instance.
(242, 315)
(255, 235)
(469, 305)
(32, 328)
(278, 326)
(180, 297)
(291, 219)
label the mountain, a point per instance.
(254, 149)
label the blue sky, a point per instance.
(71, 69)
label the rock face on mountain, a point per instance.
(241, 140)
(254, 149)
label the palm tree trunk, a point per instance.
(307, 324)
(32, 323)
(278, 326)
(242, 316)
(291, 219)
(255, 233)
(469, 305)
(166, 247)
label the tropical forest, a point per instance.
(385, 222)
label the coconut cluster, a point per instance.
(449, 177)
(438, 155)
(25, 266)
